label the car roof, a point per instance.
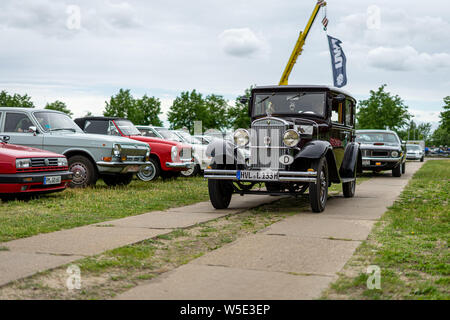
(28, 109)
(101, 118)
(375, 131)
(305, 87)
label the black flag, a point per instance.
(338, 62)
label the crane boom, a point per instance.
(300, 43)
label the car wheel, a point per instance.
(404, 168)
(397, 171)
(422, 159)
(84, 173)
(273, 187)
(192, 172)
(318, 191)
(348, 188)
(220, 192)
(150, 171)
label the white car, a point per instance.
(414, 152)
(202, 161)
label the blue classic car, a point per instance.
(114, 159)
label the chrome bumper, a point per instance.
(381, 159)
(284, 176)
(180, 165)
(120, 167)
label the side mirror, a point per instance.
(5, 139)
(33, 130)
(244, 99)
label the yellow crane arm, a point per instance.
(300, 43)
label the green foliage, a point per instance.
(381, 111)
(59, 106)
(416, 132)
(16, 100)
(238, 115)
(191, 106)
(144, 111)
(441, 136)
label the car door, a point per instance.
(16, 125)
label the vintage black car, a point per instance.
(301, 137)
(382, 150)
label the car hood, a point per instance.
(98, 139)
(371, 146)
(16, 151)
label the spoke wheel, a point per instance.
(150, 171)
(318, 191)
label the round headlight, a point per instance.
(291, 138)
(241, 137)
(394, 154)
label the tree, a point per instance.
(238, 115)
(142, 111)
(441, 136)
(16, 100)
(59, 106)
(191, 106)
(416, 132)
(382, 111)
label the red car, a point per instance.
(167, 158)
(30, 170)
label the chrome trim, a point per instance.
(120, 164)
(284, 176)
(381, 159)
(181, 165)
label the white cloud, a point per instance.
(241, 42)
(407, 59)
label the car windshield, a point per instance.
(413, 148)
(169, 135)
(374, 137)
(188, 138)
(127, 127)
(289, 103)
(52, 121)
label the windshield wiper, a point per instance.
(60, 129)
(296, 96)
(266, 98)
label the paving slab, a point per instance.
(16, 265)
(199, 282)
(309, 226)
(89, 240)
(347, 212)
(282, 253)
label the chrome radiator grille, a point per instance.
(266, 144)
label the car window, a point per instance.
(148, 133)
(127, 127)
(337, 112)
(54, 121)
(348, 113)
(97, 127)
(17, 122)
(112, 129)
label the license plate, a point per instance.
(133, 169)
(263, 175)
(366, 162)
(52, 180)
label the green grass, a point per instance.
(409, 244)
(78, 207)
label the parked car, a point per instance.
(167, 158)
(206, 140)
(382, 150)
(30, 170)
(114, 159)
(200, 159)
(415, 152)
(301, 137)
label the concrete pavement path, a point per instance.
(27, 256)
(296, 258)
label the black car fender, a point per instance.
(352, 161)
(224, 152)
(317, 149)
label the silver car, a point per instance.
(112, 158)
(414, 152)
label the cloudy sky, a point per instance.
(81, 52)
